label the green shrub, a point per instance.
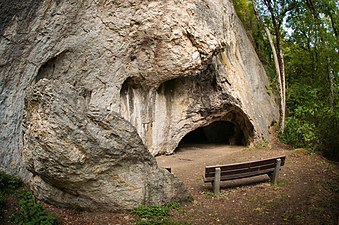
(333, 185)
(9, 183)
(32, 213)
(151, 211)
(173, 205)
(299, 133)
(155, 215)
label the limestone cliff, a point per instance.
(167, 67)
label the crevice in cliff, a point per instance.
(47, 70)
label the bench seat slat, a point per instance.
(238, 167)
(247, 164)
(238, 176)
(241, 170)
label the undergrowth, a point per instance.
(31, 212)
(8, 184)
(155, 215)
(333, 185)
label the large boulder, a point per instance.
(89, 160)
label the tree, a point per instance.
(271, 14)
(307, 33)
(312, 68)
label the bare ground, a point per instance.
(307, 191)
(302, 196)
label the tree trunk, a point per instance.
(279, 69)
(283, 86)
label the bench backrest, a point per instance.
(241, 170)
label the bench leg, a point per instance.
(274, 175)
(216, 183)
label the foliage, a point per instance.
(2, 200)
(310, 46)
(312, 69)
(209, 194)
(153, 215)
(9, 183)
(333, 185)
(33, 213)
(262, 144)
(151, 211)
(253, 29)
(30, 211)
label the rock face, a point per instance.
(166, 67)
(91, 160)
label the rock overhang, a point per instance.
(191, 64)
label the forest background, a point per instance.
(307, 32)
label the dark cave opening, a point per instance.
(219, 132)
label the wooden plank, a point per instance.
(243, 170)
(216, 183)
(274, 175)
(240, 166)
(238, 176)
(246, 164)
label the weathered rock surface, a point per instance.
(167, 67)
(90, 160)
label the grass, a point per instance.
(299, 217)
(209, 194)
(281, 183)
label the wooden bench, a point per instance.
(215, 174)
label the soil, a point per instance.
(306, 193)
(302, 195)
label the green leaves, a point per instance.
(309, 38)
(153, 215)
(32, 213)
(9, 183)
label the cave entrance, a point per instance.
(218, 132)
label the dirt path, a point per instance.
(198, 155)
(188, 163)
(303, 194)
(307, 191)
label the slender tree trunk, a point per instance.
(281, 64)
(277, 21)
(331, 73)
(279, 68)
(283, 86)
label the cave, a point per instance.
(218, 132)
